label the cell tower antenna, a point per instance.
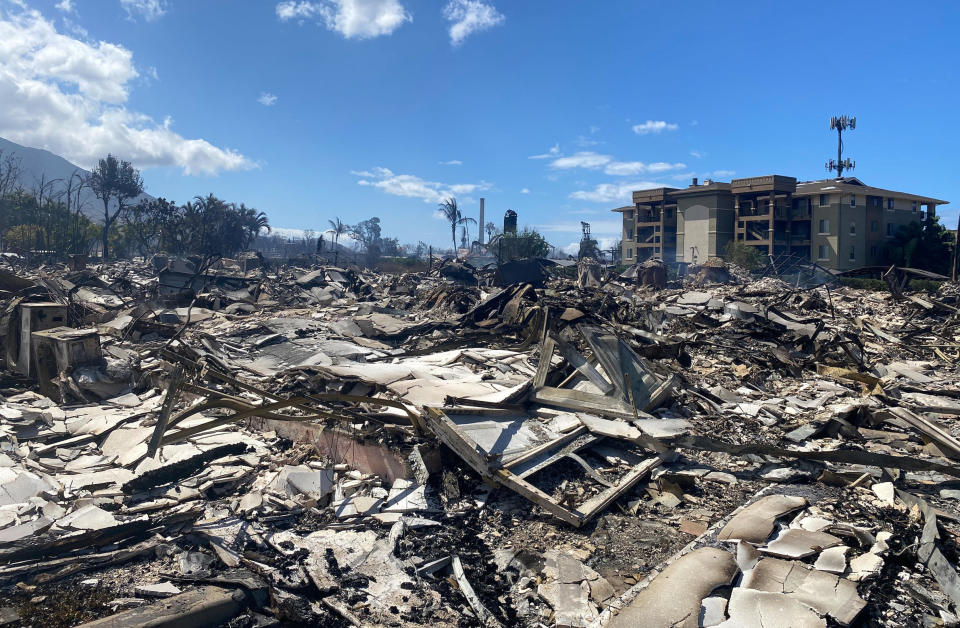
(841, 124)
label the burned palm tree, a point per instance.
(451, 211)
(339, 228)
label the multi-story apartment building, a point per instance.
(838, 223)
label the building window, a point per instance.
(889, 203)
(913, 206)
(889, 229)
(824, 200)
(823, 252)
(630, 215)
(824, 227)
(853, 228)
(853, 200)
(874, 226)
(853, 253)
(873, 251)
(629, 233)
(629, 253)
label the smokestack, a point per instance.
(694, 184)
(481, 225)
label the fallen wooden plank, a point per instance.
(580, 363)
(453, 437)
(944, 441)
(539, 449)
(598, 503)
(486, 617)
(66, 567)
(205, 606)
(850, 456)
(176, 378)
(543, 368)
(531, 492)
(580, 401)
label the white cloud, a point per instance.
(613, 192)
(698, 154)
(585, 142)
(360, 19)
(413, 186)
(633, 168)
(553, 152)
(608, 226)
(66, 6)
(267, 99)
(452, 162)
(67, 96)
(74, 28)
(605, 244)
(716, 174)
(149, 10)
(594, 161)
(468, 17)
(653, 127)
(525, 191)
(583, 159)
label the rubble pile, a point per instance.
(193, 442)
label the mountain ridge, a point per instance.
(37, 163)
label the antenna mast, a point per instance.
(841, 124)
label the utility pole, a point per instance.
(841, 124)
(955, 266)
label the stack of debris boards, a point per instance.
(252, 444)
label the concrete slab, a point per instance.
(749, 608)
(674, 597)
(755, 522)
(824, 592)
(799, 543)
(833, 560)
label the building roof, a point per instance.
(850, 185)
(854, 185)
(651, 195)
(703, 188)
(766, 183)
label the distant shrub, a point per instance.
(743, 255)
(861, 283)
(878, 285)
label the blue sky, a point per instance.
(360, 108)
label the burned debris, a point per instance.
(191, 443)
